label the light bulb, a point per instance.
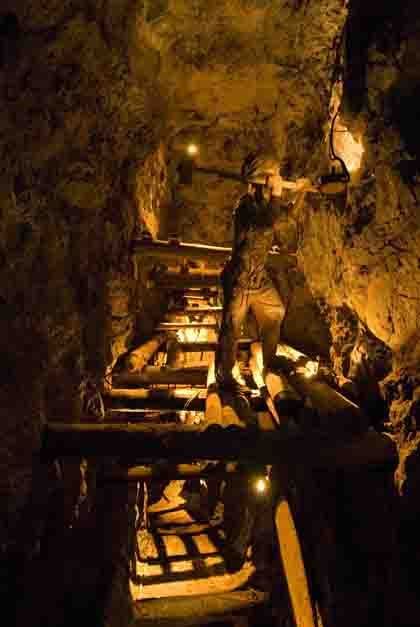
(261, 485)
(192, 150)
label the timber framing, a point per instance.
(189, 443)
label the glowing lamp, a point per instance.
(261, 485)
(192, 150)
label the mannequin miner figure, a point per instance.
(245, 280)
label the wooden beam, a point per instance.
(175, 399)
(164, 249)
(287, 401)
(337, 413)
(196, 610)
(156, 398)
(293, 565)
(155, 375)
(126, 414)
(196, 310)
(171, 471)
(189, 443)
(203, 347)
(186, 282)
(173, 326)
(137, 359)
(200, 295)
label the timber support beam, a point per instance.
(173, 442)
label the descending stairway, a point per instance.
(181, 556)
(165, 419)
(180, 553)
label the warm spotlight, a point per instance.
(192, 150)
(261, 485)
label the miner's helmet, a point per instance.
(258, 166)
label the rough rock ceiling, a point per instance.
(238, 75)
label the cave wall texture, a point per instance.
(98, 100)
(82, 169)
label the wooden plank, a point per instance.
(196, 610)
(154, 375)
(191, 443)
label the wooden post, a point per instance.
(214, 411)
(293, 566)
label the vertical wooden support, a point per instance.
(214, 410)
(293, 566)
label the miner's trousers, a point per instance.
(268, 309)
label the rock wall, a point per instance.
(364, 256)
(80, 133)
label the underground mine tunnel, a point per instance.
(209, 275)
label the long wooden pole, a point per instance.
(196, 610)
(173, 326)
(154, 375)
(185, 281)
(192, 399)
(137, 359)
(203, 347)
(162, 249)
(293, 565)
(170, 471)
(189, 443)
